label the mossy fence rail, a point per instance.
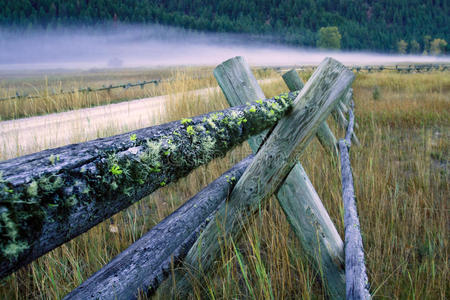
(48, 198)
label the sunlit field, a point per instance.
(400, 171)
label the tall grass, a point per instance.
(48, 98)
(402, 187)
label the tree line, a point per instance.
(429, 46)
(363, 24)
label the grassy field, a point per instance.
(47, 87)
(401, 180)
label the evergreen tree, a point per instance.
(363, 24)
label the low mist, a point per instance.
(159, 46)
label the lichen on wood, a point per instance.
(271, 165)
(148, 261)
(49, 197)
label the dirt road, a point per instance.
(28, 135)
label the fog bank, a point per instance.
(161, 46)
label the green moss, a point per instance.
(208, 145)
(12, 246)
(230, 179)
(190, 130)
(186, 121)
(49, 184)
(52, 159)
(200, 128)
(152, 155)
(22, 209)
(115, 170)
(114, 186)
(11, 228)
(276, 106)
(241, 120)
(32, 189)
(13, 249)
(211, 123)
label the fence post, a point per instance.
(272, 164)
(324, 133)
(240, 86)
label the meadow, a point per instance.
(57, 91)
(401, 179)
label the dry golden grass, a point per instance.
(402, 187)
(44, 87)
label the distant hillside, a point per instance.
(371, 24)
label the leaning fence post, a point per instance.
(273, 164)
(324, 133)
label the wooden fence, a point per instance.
(404, 69)
(367, 68)
(50, 197)
(411, 68)
(83, 90)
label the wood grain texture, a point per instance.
(144, 264)
(50, 197)
(357, 283)
(292, 80)
(315, 230)
(240, 86)
(324, 133)
(308, 217)
(273, 162)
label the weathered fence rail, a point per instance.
(47, 198)
(83, 90)
(355, 269)
(272, 164)
(168, 241)
(297, 196)
(399, 68)
(403, 69)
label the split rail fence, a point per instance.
(48, 198)
(368, 68)
(83, 90)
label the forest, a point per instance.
(408, 26)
